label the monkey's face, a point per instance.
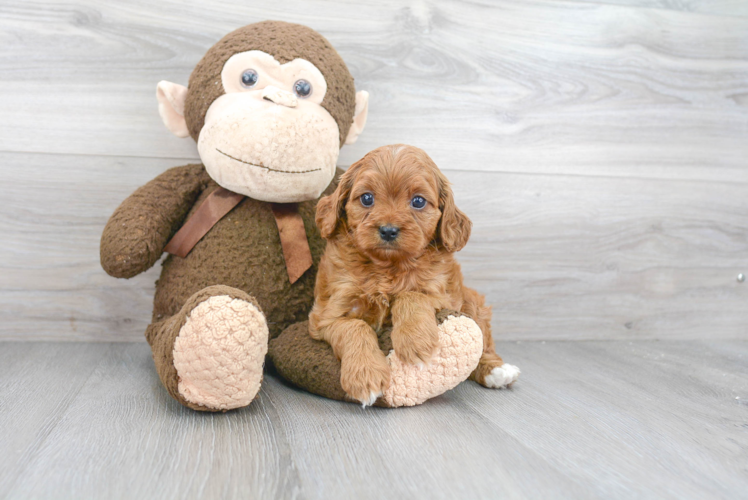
(268, 123)
(268, 137)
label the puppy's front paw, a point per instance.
(416, 342)
(365, 377)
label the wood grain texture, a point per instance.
(586, 420)
(545, 87)
(600, 150)
(712, 7)
(565, 257)
(38, 384)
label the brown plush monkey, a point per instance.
(269, 106)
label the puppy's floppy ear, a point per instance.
(454, 226)
(331, 208)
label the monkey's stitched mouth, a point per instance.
(268, 168)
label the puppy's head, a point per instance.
(394, 203)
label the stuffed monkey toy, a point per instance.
(269, 105)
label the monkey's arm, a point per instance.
(137, 232)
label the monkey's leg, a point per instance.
(210, 354)
(312, 365)
(460, 347)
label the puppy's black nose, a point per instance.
(388, 233)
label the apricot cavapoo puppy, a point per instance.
(392, 228)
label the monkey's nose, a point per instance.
(388, 233)
(278, 96)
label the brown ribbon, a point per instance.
(216, 205)
(220, 202)
(293, 239)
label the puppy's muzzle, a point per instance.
(388, 233)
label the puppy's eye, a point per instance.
(418, 202)
(367, 199)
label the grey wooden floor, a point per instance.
(595, 419)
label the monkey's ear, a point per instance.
(171, 98)
(359, 116)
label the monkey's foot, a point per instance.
(460, 347)
(219, 353)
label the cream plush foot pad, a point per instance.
(460, 347)
(219, 353)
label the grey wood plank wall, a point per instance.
(601, 150)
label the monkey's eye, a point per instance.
(249, 78)
(367, 199)
(418, 202)
(302, 88)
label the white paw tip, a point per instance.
(502, 376)
(373, 396)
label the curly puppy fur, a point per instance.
(369, 281)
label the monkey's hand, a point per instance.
(415, 333)
(137, 232)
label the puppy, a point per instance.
(392, 228)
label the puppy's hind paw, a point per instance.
(502, 376)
